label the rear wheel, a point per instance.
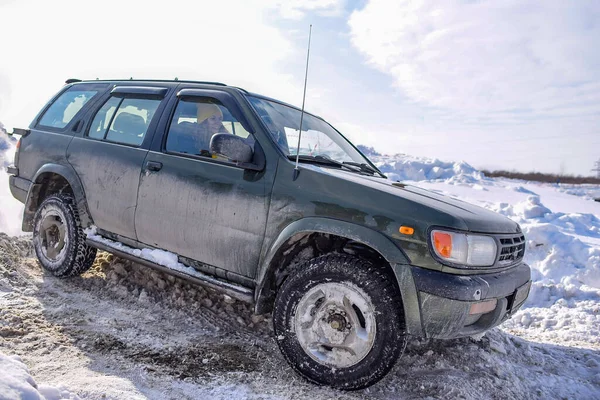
(339, 321)
(59, 240)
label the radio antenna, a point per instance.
(296, 170)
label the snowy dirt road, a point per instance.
(123, 331)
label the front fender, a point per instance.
(33, 200)
(367, 236)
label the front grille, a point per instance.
(512, 249)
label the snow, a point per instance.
(11, 210)
(157, 256)
(16, 383)
(403, 167)
(124, 331)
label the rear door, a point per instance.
(109, 153)
(202, 208)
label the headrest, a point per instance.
(129, 123)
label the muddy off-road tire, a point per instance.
(339, 321)
(59, 240)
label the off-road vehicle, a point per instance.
(200, 180)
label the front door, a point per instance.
(198, 206)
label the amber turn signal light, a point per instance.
(407, 230)
(483, 307)
(443, 243)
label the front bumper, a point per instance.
(444, 301)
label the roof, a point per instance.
(74, 80)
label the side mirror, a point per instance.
(231, 146)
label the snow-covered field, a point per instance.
(122, 331)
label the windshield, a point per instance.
(318, 137)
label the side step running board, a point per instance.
(231, 289)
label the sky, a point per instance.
(499, 84)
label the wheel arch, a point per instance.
(319, 233)
(51, 179)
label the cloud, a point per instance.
(487, 60)
(228, 41)
(297, 9)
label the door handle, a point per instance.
(153, 165)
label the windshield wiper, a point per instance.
(364, 167)
(316, 159)
(326, 160)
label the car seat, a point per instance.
(127, 128)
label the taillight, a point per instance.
(17, 152)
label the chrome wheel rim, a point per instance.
(335, 324)
(53, 236)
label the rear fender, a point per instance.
(33, 196)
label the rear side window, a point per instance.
(123, 120)
(62, 111)
(103, 118)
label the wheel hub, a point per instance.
(338, 322)
(335, 324)
(52, 232)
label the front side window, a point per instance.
(123, 120)
(68, 104)
(318, 139)
(195, 122)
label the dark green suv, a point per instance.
(200, 180)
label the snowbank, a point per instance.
(16, 383)
(403, 167)
(564, 302)
(563, 266)
(589, 192)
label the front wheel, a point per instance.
(339, 321)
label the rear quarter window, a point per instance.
(66, 106)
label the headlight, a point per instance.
(465, 249)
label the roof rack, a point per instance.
(147, 80)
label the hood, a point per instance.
(476, 219)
